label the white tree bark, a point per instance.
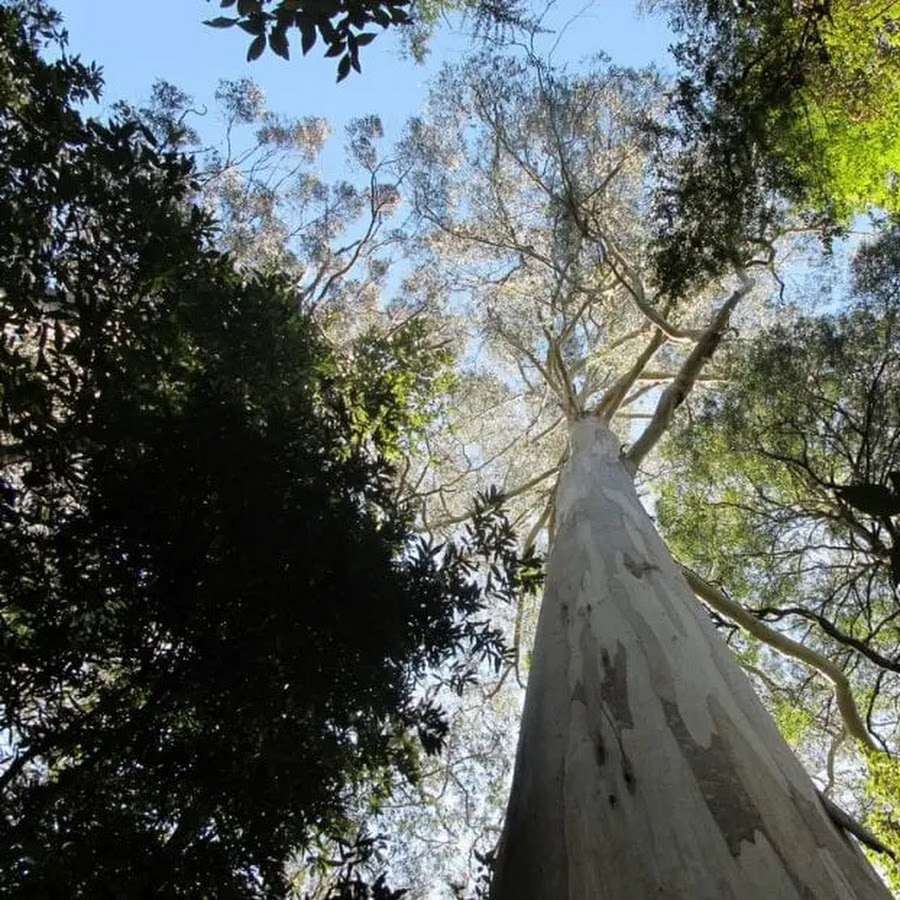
(647, 767)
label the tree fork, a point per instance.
(647, 766)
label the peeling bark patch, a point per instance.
(726, 797)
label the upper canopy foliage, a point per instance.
(778, 99)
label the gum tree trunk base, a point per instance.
(647, 767)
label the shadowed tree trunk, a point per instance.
(647, 767)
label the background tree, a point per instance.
(776, 99)
(215, 615)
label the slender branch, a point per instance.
(530, 541)
(632, 283)
(833, 746)
(555, 361)
(843, 694)
(613, 398)
(516, 491)
(676, 392)
(833, 631)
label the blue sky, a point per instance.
(136, 43)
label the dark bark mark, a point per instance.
(638, 569)
(729, 802)
(726, 797)
(614, 685)
(614, 702)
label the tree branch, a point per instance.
(614, 397)
(843, 694)
(834, 632)
(674, 395)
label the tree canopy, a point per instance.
(253, 579)
(215, 615)
(777, 105)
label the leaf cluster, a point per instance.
(721, 166)
(784, 481)
(338, 23)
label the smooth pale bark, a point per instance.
(647, 767)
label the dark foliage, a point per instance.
(340, 24)
(212, 613)
(722, 170)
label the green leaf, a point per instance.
(220, 22)
(256, 25)
(365, 38)
(257, 45)
(873, 499)
(336, 50)
(279, 43)
(307, 34)
(343, 67)
(249, 7)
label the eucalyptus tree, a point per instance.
(260, 174)
(646, 765)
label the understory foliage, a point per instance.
(214, 616)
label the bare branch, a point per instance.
(614, 397)
(629, 278)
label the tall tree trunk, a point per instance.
(647, 767)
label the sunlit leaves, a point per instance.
(783, 487)
(801, 98)
(883, 787)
